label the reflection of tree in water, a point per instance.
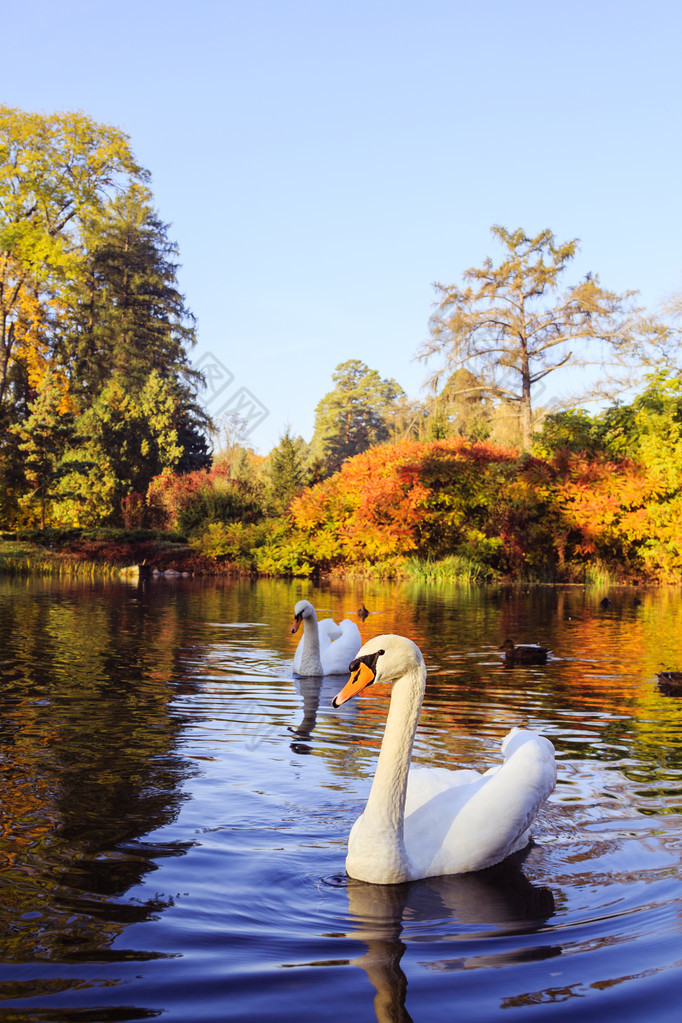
(500, 902)
(87, 763)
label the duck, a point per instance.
(523, 654)
(427, 822)
(670, 682)
(325, 647)
(362, 612)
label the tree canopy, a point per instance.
(354, 415)
(511, 326)
(56, 172)
(94, 331)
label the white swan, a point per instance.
(325, 648)
(430, 821)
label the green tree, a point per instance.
(128, 315)
(56, 172)
(571, 430)
(649, 430)
(353, 416)
(511, 327)
(128, 440)
(286, 470)
(43, 439)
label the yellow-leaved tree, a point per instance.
(56, 172)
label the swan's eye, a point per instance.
(297, 618)
(369, 659)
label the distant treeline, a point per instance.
(601, 496)
(100, 424)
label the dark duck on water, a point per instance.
(523, 654)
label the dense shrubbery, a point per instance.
(489, 510)
(429, 500)
(192, 501)
(467, 508)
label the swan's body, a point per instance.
(430, 821)
(325, 648)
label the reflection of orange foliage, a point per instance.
(23, 822)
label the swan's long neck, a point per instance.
(311, 663)
(379, 837)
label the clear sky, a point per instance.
(322, 163)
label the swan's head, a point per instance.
(304, 609)
(381, 659)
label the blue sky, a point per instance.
(323, 163)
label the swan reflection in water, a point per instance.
(314, 689)
(497, 902)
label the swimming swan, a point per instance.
(425, 822)
(325, 648)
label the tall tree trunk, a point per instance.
(525, 415)
(6, 343)
(525, 411)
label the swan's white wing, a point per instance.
(342, 650)
(328, 631)
(474, 825)
(423, 783)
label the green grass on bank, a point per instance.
(81, 553)
(454, 568)
(104, 552)
(23, 558)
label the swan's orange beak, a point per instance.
(297, 622)
(358, 681)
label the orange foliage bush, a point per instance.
(516, 516)
(504, 515)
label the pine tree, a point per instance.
(286, 470)
(129, 315)
(130, 321)
(126, 441)
(353, 416)
(43, 439)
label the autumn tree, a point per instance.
(511, 326)
(57, 171)
(462, 407)
(89, 292)
(353, 416)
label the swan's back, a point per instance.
(339, 644)
(457, 821)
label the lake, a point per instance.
(175, 806)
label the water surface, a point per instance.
(175, 806)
